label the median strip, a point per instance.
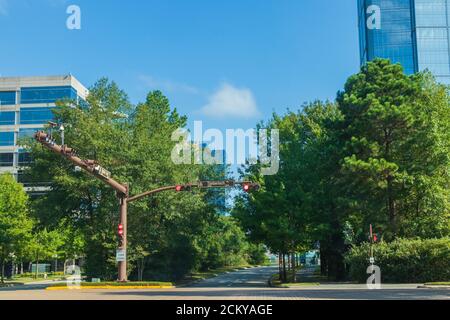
(112, 286)
(108, 287)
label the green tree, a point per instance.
(43, 246)
(379, 156)
(396, 164)
(135, 144)
(15, 222)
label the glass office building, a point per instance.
(26, 105)
(415, 33)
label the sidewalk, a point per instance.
(307, 279)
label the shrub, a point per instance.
(403, 260)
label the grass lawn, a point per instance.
(188, 279)
(300, 284)
(445, 283)
(313, 280)
(24, 280)
(119, 284)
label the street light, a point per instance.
(61, 129)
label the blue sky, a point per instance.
(229, 63)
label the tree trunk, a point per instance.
(36, 274)
(284, 268)
(280, 266)
(390, 179)
(289, 261)
(323, 260)
(2, 271)
(294, 269)
(141, 265)
(391, 207)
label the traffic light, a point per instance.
(247, 186)
(91, 162)
(120, 232)
(376, 237)
(68, 151)
(180, 188)
(41, 136)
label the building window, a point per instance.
(6, 139)
(6, 159)
(24, 178)
(46, 94)
(24, 158)
(27, 133)
(431, 13)
(36, 115)
(7, 118)
(7, 98)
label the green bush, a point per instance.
(403, 260)
(257, 254)
(41, 274)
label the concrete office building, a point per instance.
(26, 105)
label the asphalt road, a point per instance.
(250, 284)
(248, 278)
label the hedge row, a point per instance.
(403, 261)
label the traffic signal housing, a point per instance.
(181, 188)
(120, 233)
(248, 186)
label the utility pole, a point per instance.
(122, 190)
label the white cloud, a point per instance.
(3, 7)
(229, 101)
(167, 85)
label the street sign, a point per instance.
(372, 260)
(102, 172)
(121, 255)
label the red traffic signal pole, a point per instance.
(100, 173)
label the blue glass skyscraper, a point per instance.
(414, 33)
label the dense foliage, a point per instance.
(170, 234)
(404, 260)
(379, 155)
(15, 222)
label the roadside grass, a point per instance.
(300, 284)
(24, 280)
(315, 280)
(117, 284)
(10, 284)
(195, 276)
(444, 283)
